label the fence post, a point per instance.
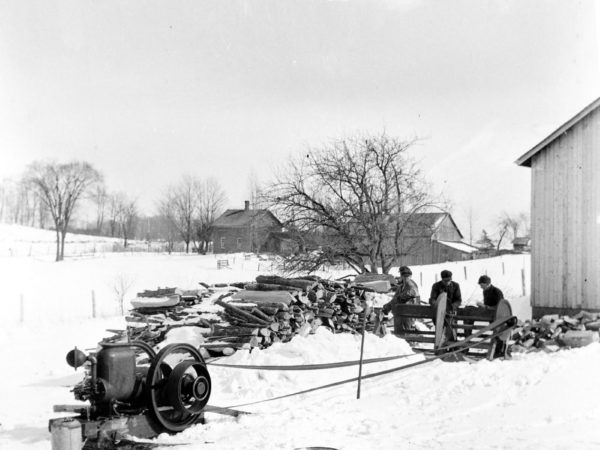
(523, 281)
(93, 304)
(421, 279)
(465, 269)
(503, 273)
(21, 309)
(362, 344)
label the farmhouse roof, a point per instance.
(234, 218)
(525, 160)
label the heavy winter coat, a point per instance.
(407, 291)
(452, 291)
(492, 295)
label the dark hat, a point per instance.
(405, 270)
(446, 274)
(484, 279)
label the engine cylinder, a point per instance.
(116, 373)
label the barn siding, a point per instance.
(447, 231)
(427, 251)
(565, 227)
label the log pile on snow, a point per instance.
(551, 332)
(156, 312)
(255, 314)
(275, 309)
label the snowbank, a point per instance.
(533, 400)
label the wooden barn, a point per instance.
(565, 216)
(243, 230)
(434, 238)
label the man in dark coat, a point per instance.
(451, 288)
(453, 300)
(407, 291)
(491, 294)
(491, 297)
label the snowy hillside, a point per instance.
(535, 400)
(19, 240)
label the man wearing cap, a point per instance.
(491, 297)
(406, 292)
(491, 294)
(451, 288)
(453, 299)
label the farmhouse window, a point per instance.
(223, 242)
(239, 243)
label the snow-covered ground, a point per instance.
(534, 400)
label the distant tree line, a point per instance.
(49, 193)
(509, 226)
(354, 198)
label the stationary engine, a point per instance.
(134, 391)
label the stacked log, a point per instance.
(151, 324)
(152, 327)
(552, 332)
(276, 317)
(266, 322)
(266, 311)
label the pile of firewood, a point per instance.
(551, 332)
(150, 324)
(275, 309)
(254, 314)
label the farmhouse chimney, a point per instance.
(246, 205)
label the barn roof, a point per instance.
(233, 218)
(525, 160)
(425, 224)
(460, 246)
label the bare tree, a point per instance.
(122, 283)
(22, 205)
(504, 226)
(359, 195)
(115, 202)
(180, 205)
(4, 199)
(485, 242)
(510, 224)
(211, 199)
(128, 216)
(60, 186)
(100, 197)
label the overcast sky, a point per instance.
(149, 90)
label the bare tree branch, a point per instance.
(358, 195)
(60, 186)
